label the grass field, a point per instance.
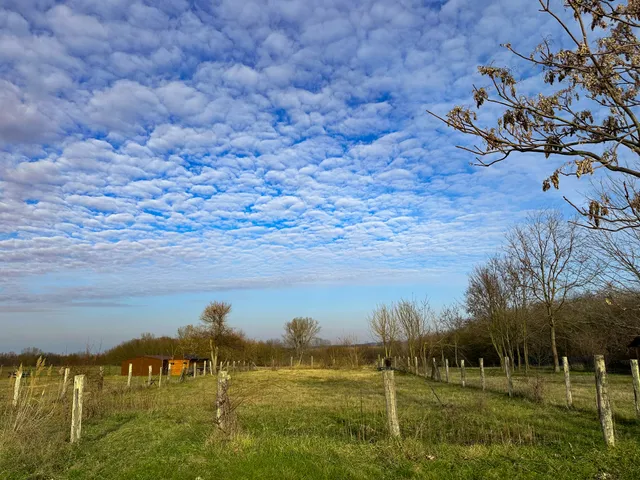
(308, 424)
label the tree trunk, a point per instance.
(554, 348)
(525, 348)
(455, 352)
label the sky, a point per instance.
(158, 155)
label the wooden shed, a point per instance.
(141, 365)
(168, 364)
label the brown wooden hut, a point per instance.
(167, 364)
(141, 365)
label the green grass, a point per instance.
(308, 424)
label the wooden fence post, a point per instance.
(160, 377)
(195, 369)
(291, 362)
(636, 384)
(446, 370)
(567, 381)
(149, 378)
(602, 397)
(415, 362)
(395, 362)
(65, 381)
(130, 373)
(311, 361)
(76, 410)
(463, 374)
(223, 407)
(482, 378)
(101, 378)
(390, 397)
(436, 370)
(16, 387)
(507, 369)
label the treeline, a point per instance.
(555, 289)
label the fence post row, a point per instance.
(507, 369)
(390, 399)
(76, 410)
(602, 397)
(567, 381)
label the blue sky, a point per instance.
(276, 154)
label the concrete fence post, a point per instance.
(311, 361)
(507, 369)
(65, 382)
(195, 369)
(76, 409)
(636, 384)
(291, 362)
(446, 370)
(482, 378)
(463, 374)
(160, 378)
(415, 363)
(149, 377)
(16, 387)
(603, 403)
(567, 381)
(390, 398)
(129, 377)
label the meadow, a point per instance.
(320, 424)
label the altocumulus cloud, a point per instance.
(173, 146)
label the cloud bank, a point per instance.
(171, 146)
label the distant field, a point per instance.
(326, 424)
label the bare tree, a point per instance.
(299, 333)
(549, 250)
(518, 283)
(591, 119)
(487, 298)
(214, 316)
(414, 320)
(384, 327)
(452, 320)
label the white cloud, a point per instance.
(185, 149)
